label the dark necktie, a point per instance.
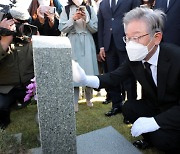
(149, 75)
(113, 5)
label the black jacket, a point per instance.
(110, 23)
(171, 33)
(167, 96)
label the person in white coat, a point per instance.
(79, 26)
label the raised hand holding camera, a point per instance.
(14, 22)
(77, 16)
(46, 11)
(7, 26)
(80, 13)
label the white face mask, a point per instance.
(44, 2)
(77, 2)
(136, 51)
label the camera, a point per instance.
(23, 29)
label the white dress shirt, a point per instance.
(154, 61)
(110, 2)
(168, 3)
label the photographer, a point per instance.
(16, 63)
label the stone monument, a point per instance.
(53, 72)
(104, 141)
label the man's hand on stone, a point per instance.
(80, 77)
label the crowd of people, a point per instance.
(115, 43)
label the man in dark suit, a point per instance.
(157, 68)
(112, 47)
(171, 33)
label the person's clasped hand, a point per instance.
(83, 15)
(144, 125)
(102, 54)
(77, 16)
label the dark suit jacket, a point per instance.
(167, 97)
(111, 22)
(172, 24)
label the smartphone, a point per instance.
(82, 8)
(52, 10)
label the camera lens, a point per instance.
(27, 30)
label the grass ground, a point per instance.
(87, 119)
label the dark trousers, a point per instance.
(163, 139)
(129, 88)
(7, 100)
(114, 58)
(105, 70)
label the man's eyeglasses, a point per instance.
(135, 38)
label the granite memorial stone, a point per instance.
(53, 72)
(104, 141)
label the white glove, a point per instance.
(144, 125)
(80, 77)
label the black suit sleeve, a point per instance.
(169, 119)
(114, 78)
(100, 28)
(169, 65)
